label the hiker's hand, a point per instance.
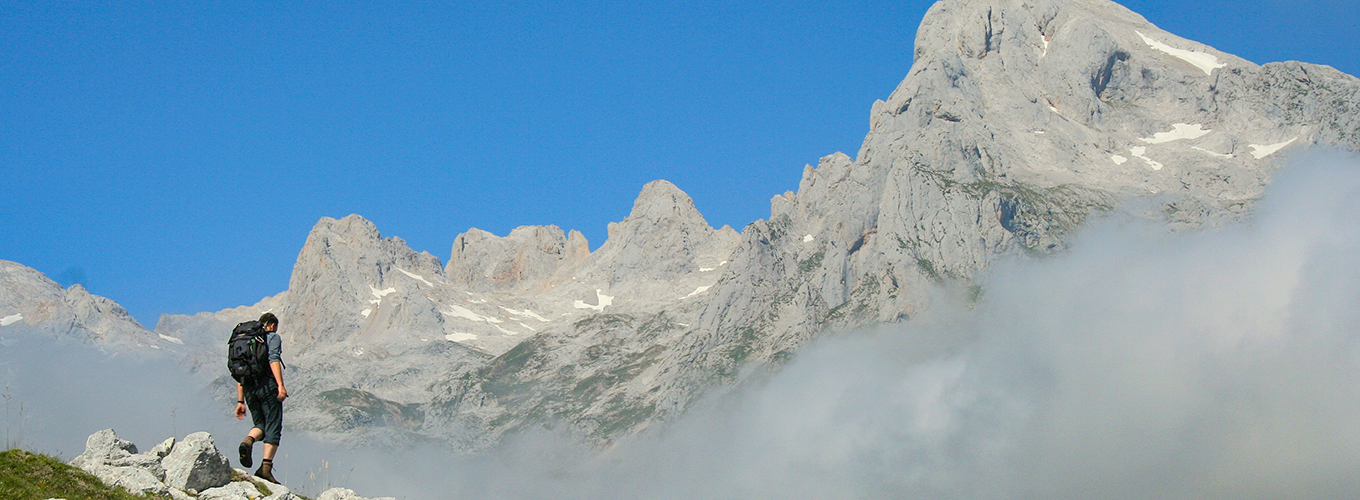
(283, 394)
(240, 411)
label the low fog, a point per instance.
(1140, 364)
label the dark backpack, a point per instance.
(248, 354)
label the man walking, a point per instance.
(259, 387)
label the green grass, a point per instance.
(25, 475)
(624, 418)
(812, 263)
(408, 416)
(744, 345)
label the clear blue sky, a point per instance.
(174, 156)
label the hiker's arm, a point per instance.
(275, 345)
(277, 368)
(240, 406)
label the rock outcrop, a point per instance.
(521, 262)
(195, 464)
(116, 462)
(192, 468)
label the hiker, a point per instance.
(256, 363)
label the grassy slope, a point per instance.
(27, 476)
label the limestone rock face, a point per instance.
(522, 261)
(133, 479)
(1016, 123)
(663, 237)
(163, 449)
(231, 491)
(247, 490)
(116, 462)
(196, 469)
(30, 301)
(103, 447)
(373, 331)
(196, 464)
(345, 268)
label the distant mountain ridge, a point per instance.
(1017, 122)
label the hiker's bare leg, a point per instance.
(255, 433)
(269, 450)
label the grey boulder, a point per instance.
(196, 464)
(134, 479)
(116, 462)
(102, 448)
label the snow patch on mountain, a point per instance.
(463, 312)
(415, 276)
(1212, 153)
(524, 312)
(1258, 151)
(602, 301)
(1204, 61)
(1178, 131)
(1140, 153)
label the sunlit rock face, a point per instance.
(1017, 123)
(520, 262)
(33, 304)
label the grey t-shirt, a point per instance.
(275, 347)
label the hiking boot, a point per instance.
(245, 451)
(266, 471)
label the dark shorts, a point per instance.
(266, 411)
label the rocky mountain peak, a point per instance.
(664, 236)
(342, 267)
(350, 229)
(1018, 120)
(1074, 56)
(482, 261)
(980, 28)
(30, 301)
(663, 202)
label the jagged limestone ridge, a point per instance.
(1017, 122)
(519, 262)
(595, 373)
(31, 302)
